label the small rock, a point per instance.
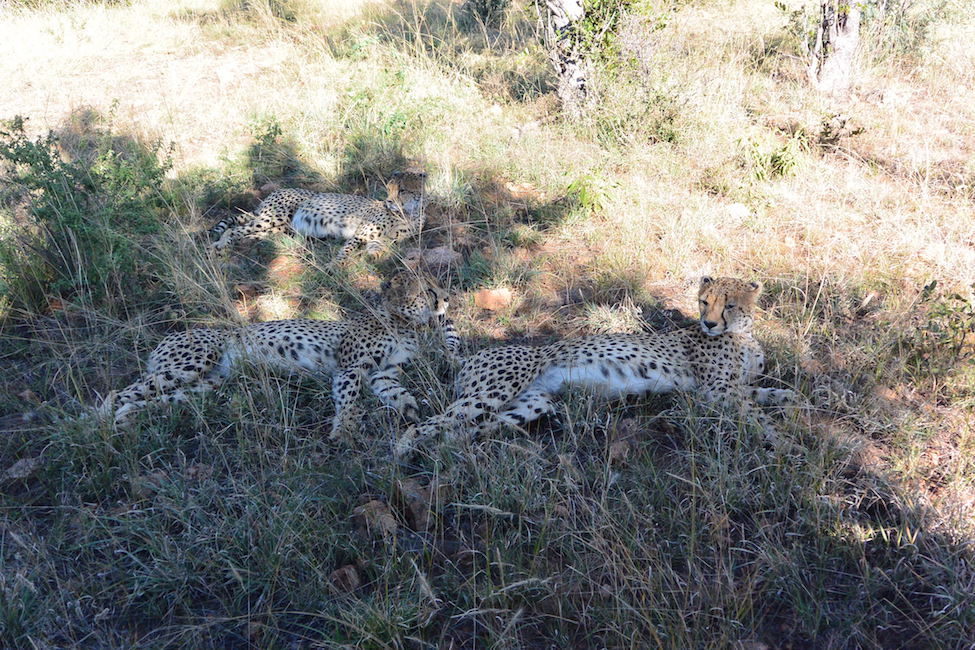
(375, 517)
(493, 299)
(23, 468)
(344, 580)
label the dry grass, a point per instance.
(652, 523)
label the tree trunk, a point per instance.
(564, 52)
(831, 61)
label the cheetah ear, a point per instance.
(706, 280)
(755, 287)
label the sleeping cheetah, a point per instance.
(368, 345)
(514, 384)
(357, 219)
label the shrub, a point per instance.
(85, 200)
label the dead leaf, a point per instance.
(269, 188)
(413, 501)
(277, 307)
(619, 451)
(813, 366)
(627, 429)
(254, 631)
(23, 468)
(198, 472)
(375, 517)
(493, 299)
(250, 289)
(441, 256)
(749, 645)
(344, 580)
(29, 396)
(283, 269)
(148, 484)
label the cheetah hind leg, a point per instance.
(417, 433)
(140, 394)
(527, 407)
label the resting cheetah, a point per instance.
(515, 384)
(357, 219)
(371, 345)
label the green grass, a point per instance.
(653, 522)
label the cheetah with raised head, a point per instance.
(367, 346)
(719, 360)
(358, 220)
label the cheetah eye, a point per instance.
(704, 303)
(730, 306)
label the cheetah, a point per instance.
(356, 219)
(515, 384)
(367, 346)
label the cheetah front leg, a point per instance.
(368, 235)
(347, 249)
(745, 400)
(384, 383)
(450, 338)
(346, 386)
(772, 396)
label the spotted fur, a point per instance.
(358, 220)
(367, 346)
(718, 360)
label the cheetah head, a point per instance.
(405, 189)
(727, 304)
(415, 297)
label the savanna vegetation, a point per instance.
(701, 147)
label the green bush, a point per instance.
(86, 199)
